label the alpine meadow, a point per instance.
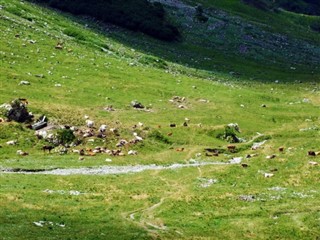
(159, 119)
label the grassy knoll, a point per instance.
(95, 70)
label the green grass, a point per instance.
(169, 204)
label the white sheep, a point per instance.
(89, 123)
(103, 128)
(132, 152)
(138, 138)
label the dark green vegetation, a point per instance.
(137, 15)
(76, 67)
(311, 7)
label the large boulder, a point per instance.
(18, 112)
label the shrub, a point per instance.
(65, 136)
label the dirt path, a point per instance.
(109, 170)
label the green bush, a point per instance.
(65, 136)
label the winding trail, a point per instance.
(109, 170)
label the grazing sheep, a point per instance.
(103, 128)
(24, 101)
(89, 123)
(47, 147)
(122, 143)
(138, 138)
(22, 153)
(231, 148)
(132, 152)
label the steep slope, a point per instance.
(75, 67)
(235, 33)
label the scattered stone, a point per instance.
(108, 160)
(74, 193)
(203, 100)
(81, 158)
(39, 224)
(263, 105)
(109, 108)
(258, 145)
(207, 182)
(268, 175)
(235, 160)
(39, 75)
(24, 83)
(277, 189)
(40, 124)
(247, 198)
(271, 156)
(22, 153)
(12, 142)
(313, 163)
(58, 85)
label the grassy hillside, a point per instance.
(236, 33)
(96, 67)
